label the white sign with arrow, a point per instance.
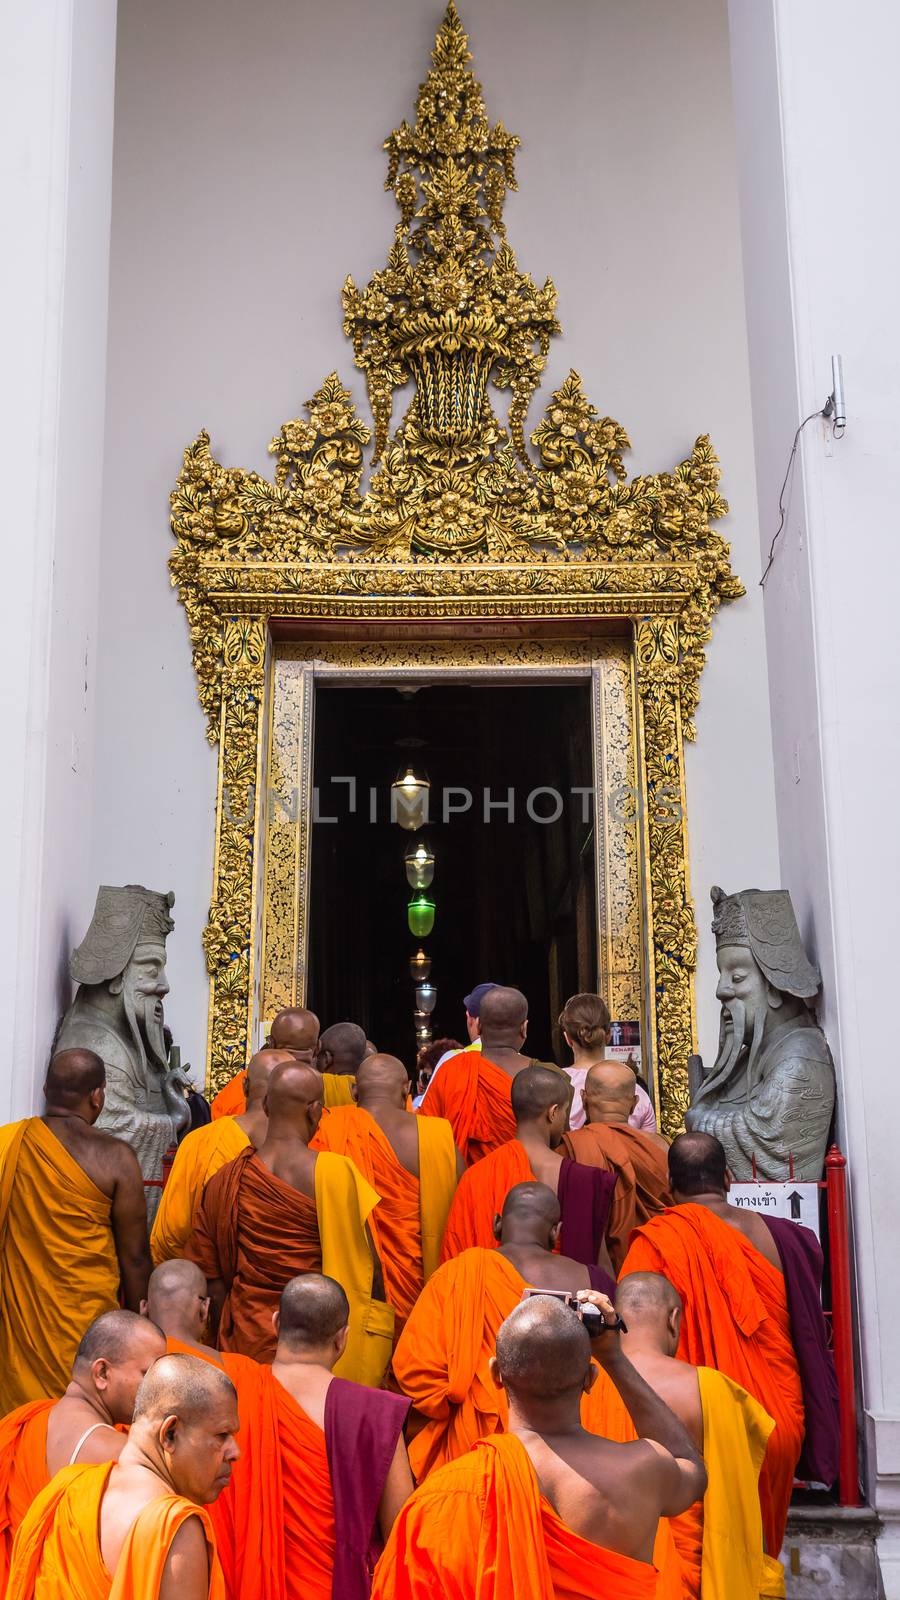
(797, 1202)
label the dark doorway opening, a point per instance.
(513, 841)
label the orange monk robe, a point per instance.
(735, 1320)
(640, 1162)
(57, 1556)
(58, 1264)
(474, 1094)
(441, 1361)
(232, 1100)
(23, 1471)
(479, 1198)
(480, 1527)
(409, 1207)
(200, 1155)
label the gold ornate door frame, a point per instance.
(458, 523)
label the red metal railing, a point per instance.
(842, 1322)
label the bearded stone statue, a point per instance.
(120, 967)
(770, 1093)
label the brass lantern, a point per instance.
(419, 966)
(409, 799)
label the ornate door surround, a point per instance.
(460, 526)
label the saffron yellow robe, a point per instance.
(199, 1156)
(58, 1263)
(337, 1089)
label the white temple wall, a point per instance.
(247, 182)
(826, 283)
(57, 68)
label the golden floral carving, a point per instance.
(459, 519)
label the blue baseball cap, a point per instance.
(472, 1002)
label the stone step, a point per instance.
(829, 1553)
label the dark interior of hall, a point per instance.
(514, 897)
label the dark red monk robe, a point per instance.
(802, 1263)
(362, 1427)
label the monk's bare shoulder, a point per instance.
(186, 1572)
(107, 1160)
(754, 1229)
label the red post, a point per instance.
(842, 1322)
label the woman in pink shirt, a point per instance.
(585, 1024)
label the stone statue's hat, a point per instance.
(763, 919)
(123, 918)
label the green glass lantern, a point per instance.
(420, 916)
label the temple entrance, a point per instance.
(511, 828)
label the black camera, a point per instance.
(591, 1315)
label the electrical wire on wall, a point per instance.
(833, 407)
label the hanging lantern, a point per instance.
(409, 800)
(419, 966)
(419, 865)
(420, 916)
(426, 998)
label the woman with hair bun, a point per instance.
(585, 1022)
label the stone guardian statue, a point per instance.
(120, 967)
(770, 1093)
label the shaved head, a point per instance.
(536, 1089)
(260, 1069)
(543, 1349)
(346, 1046)
(530, 1213)
(295, 1028)
(645, 1297)
(610, 1092)
(313, 1310)
(291, 1088)
(177, 1299)
(182, 1386)
(381, 1077)
(72, 1077)
(502, 1011)
(697, 1164)
(117, 1337)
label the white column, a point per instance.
(818, 119)
(57, 66)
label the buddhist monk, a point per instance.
(441, 1361)
(410, 1161)
(136, 1528)
(473, 1089)
(637, 1158)
(295, 1030)
(548, 1509)
(718, 1542)
(323, 1472)
(39, 1438)
(540, 1103)
(203, 1152)
(284, 1209)
(73, 1228)
(341, 1049)
(745, 1284)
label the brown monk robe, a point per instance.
(472, 1089)
(73, 1230)
(410, 1161)
(548, 1509)
(342, 1048)
(42, 1436)
(441, 1361)
(540, 1102)
(294, 1030)
(282, 1210)
(201, 1154)
(638, 1159)
(136, 1528)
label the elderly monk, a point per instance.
(294, 1030)
(284, 1209)
(473, 1089)
(73, 1227)
(441, 1361)
(540, 1103)
(410, 1161)
(637, 1158)
(323, 1469)
(718, 1542)
(136, 1527)
(750, 1291)
(548, 1509)
(203, 1152)
(41, 1437)
(342, 1048)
